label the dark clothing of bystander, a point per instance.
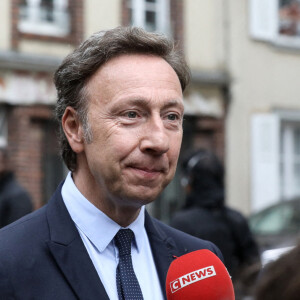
(225, 227)
(206, 216)
(15, 202)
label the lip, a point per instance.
(146, 169)
(146, 173)
(148, 166)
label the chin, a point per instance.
(141, 198)
(144, 199)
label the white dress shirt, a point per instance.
(97, 231)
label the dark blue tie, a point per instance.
(127, 283)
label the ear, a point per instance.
(73, 129)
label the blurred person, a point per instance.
(206, 216)
(280, 279)
(15, 201)
(120, 110)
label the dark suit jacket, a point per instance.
(42, 255)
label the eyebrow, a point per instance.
(144, 103)
(174, 102)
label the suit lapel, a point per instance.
(163, 249)
(72, 258)
(69, 252)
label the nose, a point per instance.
(155, 139)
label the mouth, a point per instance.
(149, 167)
(145, 172)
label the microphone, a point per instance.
(199, 275)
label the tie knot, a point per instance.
(123, 241)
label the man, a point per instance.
(120, 108)
(15, 202)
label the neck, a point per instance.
(116, 209)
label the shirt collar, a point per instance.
(97, 226)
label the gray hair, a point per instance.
(77, 68)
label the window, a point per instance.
(289, 18)
(3, 127)
(275, 158)
(290, 158)
(44, 17)
(276, 21)
(152, 15)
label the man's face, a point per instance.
(135, 114)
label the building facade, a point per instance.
(263, 123)
(38, 34)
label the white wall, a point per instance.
(45, 48)
(5, 24)
(100, 15)
(263, 78)
(204, 34)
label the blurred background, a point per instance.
(243, 102)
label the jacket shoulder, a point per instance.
(23, 232)
(184, 242)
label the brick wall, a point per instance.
(177, 21)
(213, 129)
(25, 145)
(28, 126)
(204, 132)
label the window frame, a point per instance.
(273, 161)
(264, 22)
(36, 25)
(289, 159)
(74, 37)
(161, 8)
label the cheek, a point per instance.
(121, 144)
(175, 146)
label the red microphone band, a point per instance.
(199, 275)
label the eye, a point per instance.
(173, 120)
(131, 114)
(173, 117)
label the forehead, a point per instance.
(134, 70)
(126, 62)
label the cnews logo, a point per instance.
(192, 277)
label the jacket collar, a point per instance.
(69, 252)
(163, 248)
